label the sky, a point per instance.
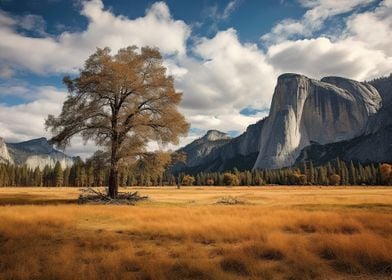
(225, 56)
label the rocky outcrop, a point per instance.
(37, 153)
(4, 154)
(214, 135)
(304, 110)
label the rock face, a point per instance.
(304, 110)
(4, 154)
(374, 146)
(37, 153)
(370, 148)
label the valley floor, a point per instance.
(272, 233)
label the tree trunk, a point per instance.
(113, 182)
(113, 175)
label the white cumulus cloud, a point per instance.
(67, 51)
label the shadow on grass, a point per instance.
(34, 200)
(384, 207)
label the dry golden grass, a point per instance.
(279, 233)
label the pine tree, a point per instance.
(311, 173)
(58, 175)
(37, 177)
(352, 174)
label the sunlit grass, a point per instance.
(280, 233)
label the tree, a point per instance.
(210, 182)
(334, 179)
(152, 164)
(386, 173)
(302, 179)
(230, 179)
(311, 179)
(58, 175)
(121, 102)
(98, 163)
(188, 180)
(352, 174)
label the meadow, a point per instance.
(271, 233)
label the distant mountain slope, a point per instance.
(37, 152)
(198, 149)
(240, 152)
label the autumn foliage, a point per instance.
(386, 173)
(121, 102)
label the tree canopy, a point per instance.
(121, 102)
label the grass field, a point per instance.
(276, 233)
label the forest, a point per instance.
(93, 174)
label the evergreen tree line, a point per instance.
(91, 174)
(337, 172)
(80, 174)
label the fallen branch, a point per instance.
(92, 196)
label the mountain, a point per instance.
(227, 153)
(200, 148)
(310, 119)
(37, 152)
(304, 110)
(375, 145)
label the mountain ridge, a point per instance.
(33, 153)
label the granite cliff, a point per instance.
(304, 111)
(34, 153)
(310, 119)
(4, 154)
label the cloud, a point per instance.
(358, 52)
(321, 57)
(226, 71)
(26, 121)
(32, 23)
(213, 15)
(229, 9)
(313, 20)
(374, 28)
(67, 51)
(226, 77)
(6, 71)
